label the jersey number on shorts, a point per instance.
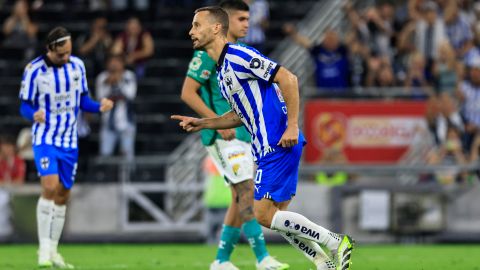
(258, 177)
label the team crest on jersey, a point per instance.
(205, 74)
(44, 162)
(235, 168)
(195, 63)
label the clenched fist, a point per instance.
(106, 105)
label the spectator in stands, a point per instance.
(136, 43)
(375, 28)
(449, 153)
(330, 56)
(358, 62)
(258, 23)
(19, 30)
(119, 85)
(446, 70)
(415, 9)
(12, 166)
(469, 95)
(416, 80)
(424, 34)
(458, 29)
(96, 44)
(380, 73)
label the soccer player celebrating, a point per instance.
(54, 88)
(229, 148)
(264, 97)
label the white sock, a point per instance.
(57, 226)
(310, 249)
(300, 226)
(44, 224)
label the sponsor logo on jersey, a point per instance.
(195, 63)
(205, 74)
(62, 97)
(236, 154)
(267, 72)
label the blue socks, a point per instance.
(255, 237)
(228, 240)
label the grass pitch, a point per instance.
(174, 256)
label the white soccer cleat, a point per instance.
(45, 264)
(59, 262)
(44, 259)
(270, 263)
(217, 265)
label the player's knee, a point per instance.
(48, 192)
(61, 199)
(262, 217)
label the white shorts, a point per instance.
(233, 160)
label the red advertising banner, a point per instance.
(363, 131)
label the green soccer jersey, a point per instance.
(203, 70)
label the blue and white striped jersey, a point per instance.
(246, 82)
(471, 105)
(56, 90)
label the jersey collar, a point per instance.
(222, 56)
(50, 63)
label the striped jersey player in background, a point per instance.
(229, 149)
(264, 97)
(54, 89)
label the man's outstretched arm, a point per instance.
(226, 121)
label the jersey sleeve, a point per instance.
(28, 88)
(83, 84)
(256, 64)
(200, 67)
(84, 78)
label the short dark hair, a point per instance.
(218, 14)
(57, 37)
(234, 5)
(117, 56)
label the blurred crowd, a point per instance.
(429, 49)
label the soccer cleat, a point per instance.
(59, 262)
(45, 264)
(217, 265)
(44, 259)
(270, 263)
(343, 254)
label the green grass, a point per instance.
(174, 256)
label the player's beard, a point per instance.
(202, 45)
